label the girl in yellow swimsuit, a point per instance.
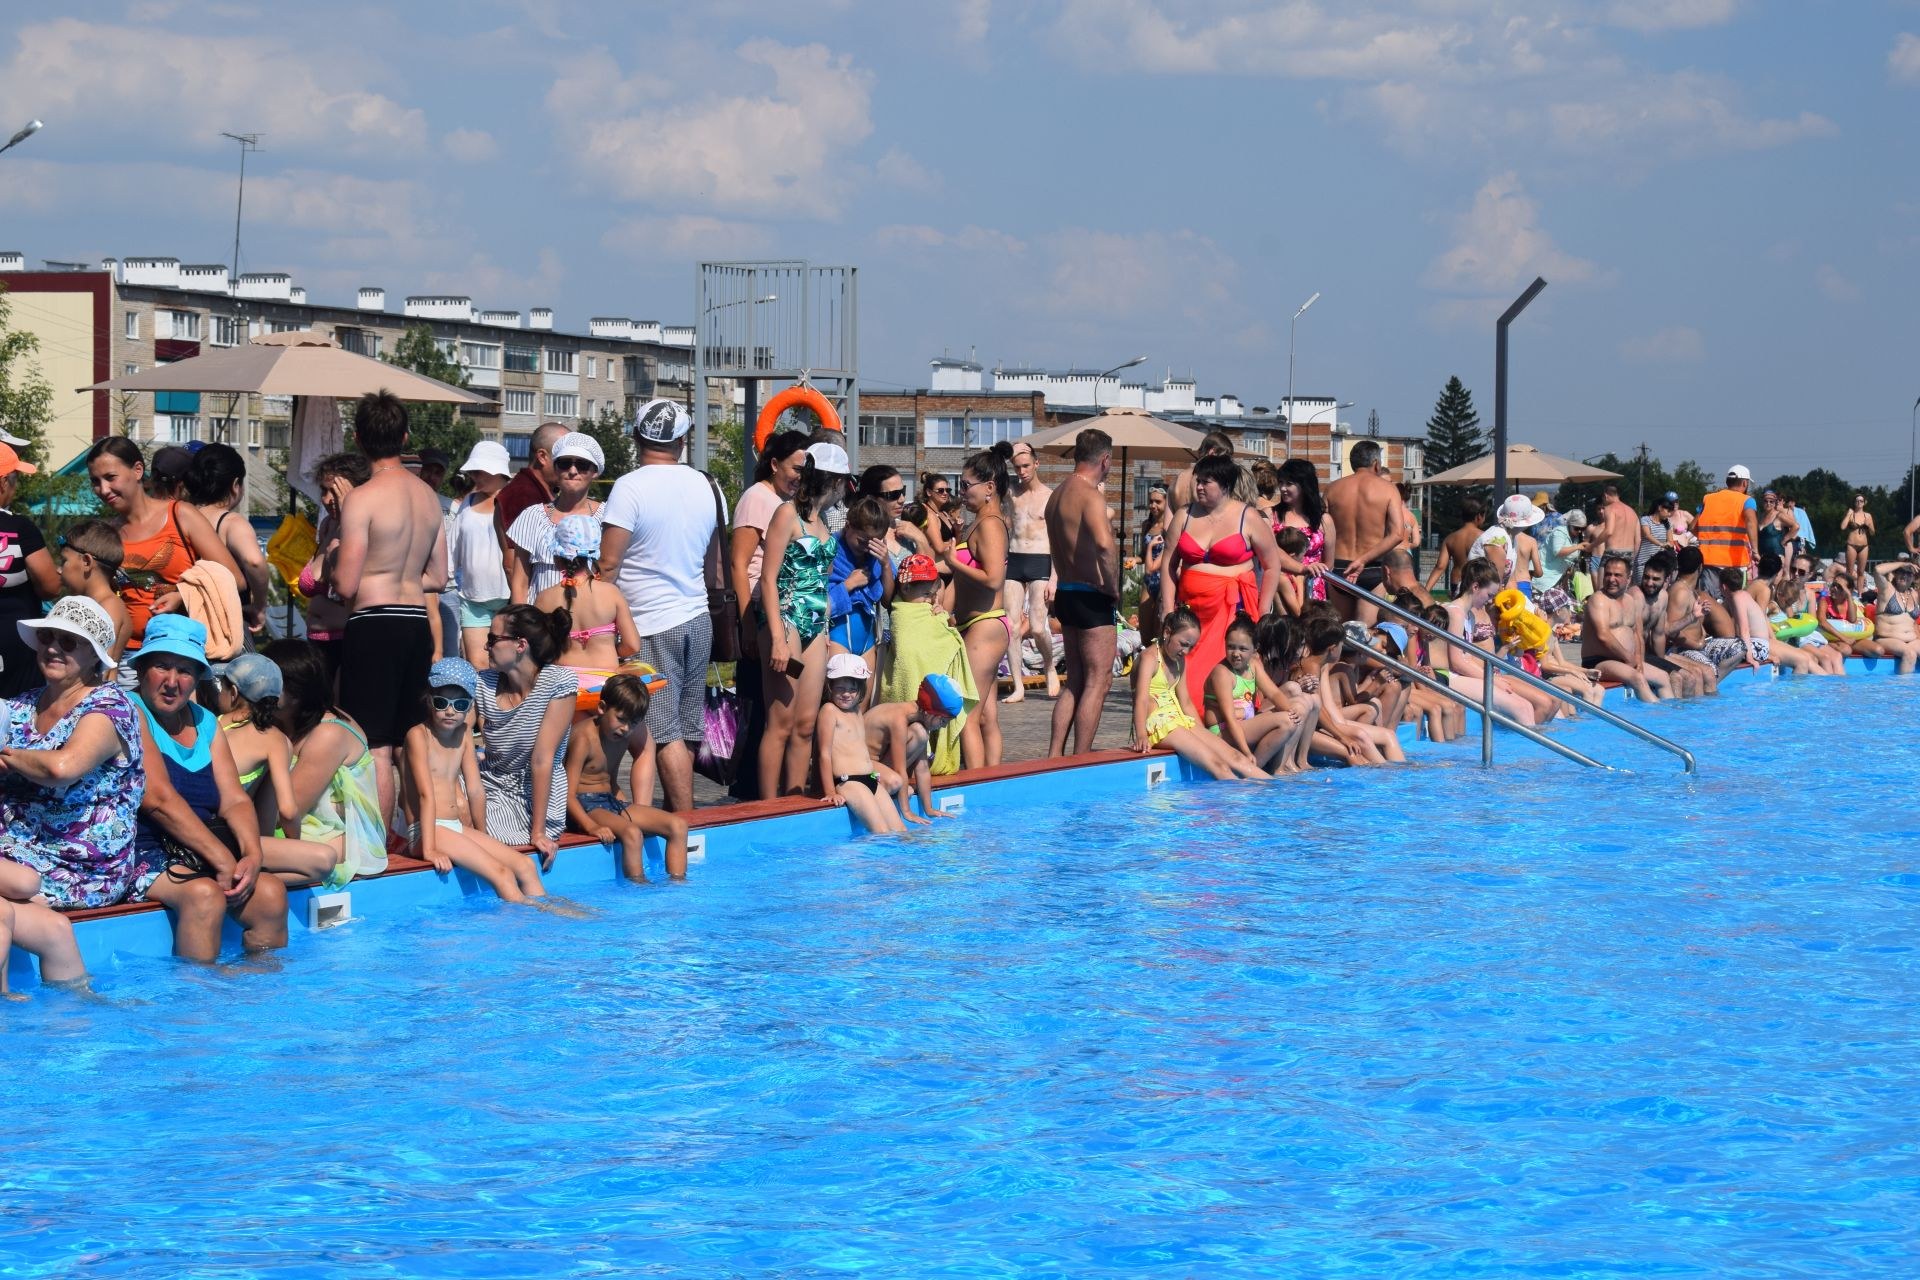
(1163, 713)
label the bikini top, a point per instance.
(1226, 552)
(581, 637)
(1894, 606)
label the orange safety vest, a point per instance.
(1722, 529)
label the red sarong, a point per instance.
(1214, 599)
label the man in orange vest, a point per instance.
(1729, 525)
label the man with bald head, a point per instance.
(533, 485)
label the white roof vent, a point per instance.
(540, 318)
(372, 298)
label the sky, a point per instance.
(1722, 194)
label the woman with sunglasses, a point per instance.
(334, 800)
(526, 707)
(70, 782)
(577, 461)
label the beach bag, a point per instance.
(721, 718)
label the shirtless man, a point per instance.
(1086, 600)
(1688, 610)
(393, 552)
(1029, 587)
(1454, 547)
(1619, 526)
(1366, 511)
(1613, 641)
(1688, 678)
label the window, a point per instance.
(359, 341)
(279, 434)
(559, 361)
(946, 433)
(562, 406)
(613, 368)
(449, 348)
(519, 447)
(983, 432)
(131, 429)
(887, 428)
(128, 370)
(253, 433)
(523, 360)
(225, 331)
(177, 428)
(133, 324)
(593, 367)
(285, 326)
(1254, 442)
(593, 408)
(479, 355)
(183, 325)
(518, 402)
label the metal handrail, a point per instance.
(1500, 718)
(1516, 670)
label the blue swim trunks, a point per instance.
(600, 802)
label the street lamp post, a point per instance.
(1913, 433)
(26, 131)
(1108, 374)
(1500, 390)
(1332, 408)
(1291, 326)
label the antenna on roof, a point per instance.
(248, 142)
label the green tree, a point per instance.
(616, 442)
(1454, 437)
(434, 426)
(726, 452)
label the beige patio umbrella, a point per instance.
(1525, 465)
(1133, 431)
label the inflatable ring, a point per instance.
(592, 679)
(794, 397)
(1800, 624)
(1520, 625)
(1835, 630)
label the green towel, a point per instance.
(926, 643)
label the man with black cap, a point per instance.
(660, 539)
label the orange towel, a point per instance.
(212, 598)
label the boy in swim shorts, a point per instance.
(594, 803)
(848, 774)
(901, 734)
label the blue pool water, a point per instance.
(1432, 1023)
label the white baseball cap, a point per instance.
(1738, 471)
(830, 458)
(847, 666)
(578, 444)
(490, 457)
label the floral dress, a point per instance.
(79, 838)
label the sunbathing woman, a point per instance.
(1162, 711)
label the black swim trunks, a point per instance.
(1589, 661)
(1082, 609)
(871, 779)
(383, 670)
(1370, 577)
(1029, 566)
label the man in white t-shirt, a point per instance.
(660, 538)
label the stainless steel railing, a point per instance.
(1514, 669)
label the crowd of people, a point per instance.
(478, 677)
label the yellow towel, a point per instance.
(212, 598)
(925, 643)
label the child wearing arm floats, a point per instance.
(594, 803)
(901, 734)
(444, 797)
(848, 775)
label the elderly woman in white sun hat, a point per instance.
(577, 463)
(473, 549)
(70, 783)
(1509, 546)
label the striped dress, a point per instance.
(507, 768)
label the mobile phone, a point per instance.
(795, 668)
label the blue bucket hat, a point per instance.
(453, 673)
(178, 634)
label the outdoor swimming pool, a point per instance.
(1427, 1023)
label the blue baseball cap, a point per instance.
(1394, 632)
(254, 677)
(177, 634)
(453, 673)
(940, 696)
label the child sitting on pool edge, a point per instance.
(594, 803)
(444, 796)
(1162, 712)
(901, 735)
(848, 775)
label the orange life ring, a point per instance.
(799, 395)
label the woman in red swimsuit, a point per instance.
(1223, 561)
(162, 540)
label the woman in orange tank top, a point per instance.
(161, 539)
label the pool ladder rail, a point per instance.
(1488, 716)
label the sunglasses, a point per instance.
(66, 641)
(892, 495)
(574, 464)
(462, 705)
(942, 491)
(494, 638)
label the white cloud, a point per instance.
(1903, 60)
(971, 20)
(1112, 275)
(470, 146)
(1445, 73)
(482, 278)
(133, 78)
(970, 239)
(1671, 15)
(782, 152)
(686, 236)
(1499, 246)
(1835, 286)
(898, 169)
(1679, 344)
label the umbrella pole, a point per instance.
(293, 503)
